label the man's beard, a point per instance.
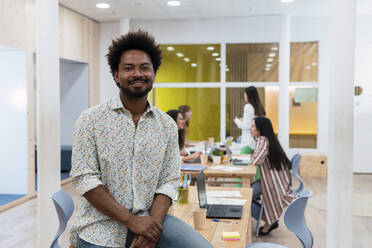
(136, 94)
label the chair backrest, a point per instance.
(294, 219)
(64, 207)
(295, 164)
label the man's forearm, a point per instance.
(160, 207)
(102, 200)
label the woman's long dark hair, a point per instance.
(254, 99)
(181, 135)
(277, 156)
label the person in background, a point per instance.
(275, 182)
(252, 108)
(186, 114)
(178, 118)
(125, 160)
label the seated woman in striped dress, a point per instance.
(274, 183)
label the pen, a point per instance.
(217, 220)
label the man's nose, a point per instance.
(136, 72)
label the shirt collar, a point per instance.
(117, 104)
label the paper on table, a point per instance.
(225, 168)
(230, 193)
(225, 201)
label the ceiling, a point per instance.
(202, 9)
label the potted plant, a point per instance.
(216, 156)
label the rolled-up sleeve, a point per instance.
(170, 173)
(85, 171)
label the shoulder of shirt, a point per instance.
(96, 111)
(248, 106)
(263, 139)
(164, 118)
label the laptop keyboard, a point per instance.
(217, 210)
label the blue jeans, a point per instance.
(256, 206)
(176, 234)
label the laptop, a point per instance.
(213, 210)
(243, 161)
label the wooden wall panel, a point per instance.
(93, 58)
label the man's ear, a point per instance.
(116, 76)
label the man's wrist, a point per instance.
(127, 219)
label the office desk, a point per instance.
(245, 174)
(213, 232)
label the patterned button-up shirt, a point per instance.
(132, 163)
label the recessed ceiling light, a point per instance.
(274, 48)
(308, 67)
(179, 55)
(174, 3)
(215, 54)
(268, 65)
(210, 48)
(218, 59)
(267, 69)
(103, 5)
(271, 54)
(287, 1)
(170, 48)
(186, 59)
(270, 59)
(314, 64)
(194, 64)
(227, 69)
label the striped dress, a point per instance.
(276, 192)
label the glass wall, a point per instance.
(303, 117)
(256, 62)
(186, 68)
(205, 106)
(304, 62)
(189, 63)
(235, 107)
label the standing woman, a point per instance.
(275, 181)
(186, 114)
(252, 108)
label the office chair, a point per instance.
(295, 165)
(64, 207)
(294, 219)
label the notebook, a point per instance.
(215, 211)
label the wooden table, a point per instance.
(213, 232)
(245, 174)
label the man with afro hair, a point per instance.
(125, 160)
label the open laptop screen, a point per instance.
(202, 192)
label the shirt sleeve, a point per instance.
(85, 171)
(170, 174)
(261, 151)
(248, 116)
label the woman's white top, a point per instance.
(245, 125)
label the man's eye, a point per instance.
(127, 68)
(145, 68)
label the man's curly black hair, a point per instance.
(137, 40)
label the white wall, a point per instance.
(108, 88)
(13, 124)
(74, 96)
(363, 103)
